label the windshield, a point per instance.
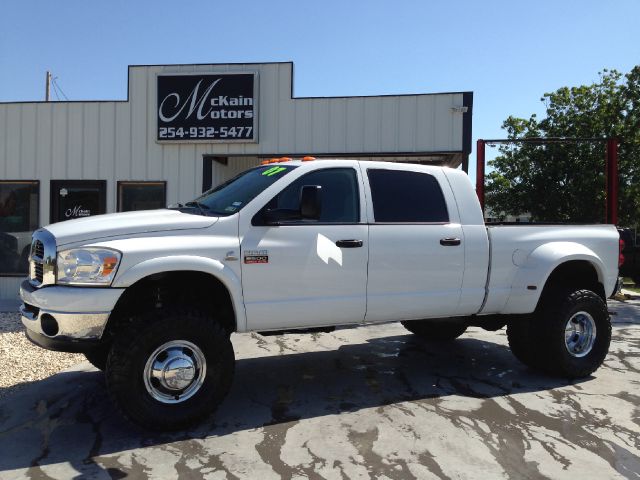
(233, 195)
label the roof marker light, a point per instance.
(308, 159)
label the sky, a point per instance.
(507, 52)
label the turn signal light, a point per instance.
(108, 264)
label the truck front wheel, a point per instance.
(436, 330)
(98, 357)
(169, 369)
(568, 335)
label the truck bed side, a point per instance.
(523, 258)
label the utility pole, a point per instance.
(47, 89)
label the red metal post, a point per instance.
(480, 172)
(612, 181)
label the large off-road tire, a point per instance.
(568, 335)
(98, 357)
(440, 331)
(169, 369)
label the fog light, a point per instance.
(49, 325)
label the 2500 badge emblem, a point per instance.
(256, 256)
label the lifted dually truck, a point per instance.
(152, 297)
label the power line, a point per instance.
(55, 91)
(57, 87)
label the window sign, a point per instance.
(72, 199)
(209, 108)
(19, 217)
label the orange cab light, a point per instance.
(308, 159)
(264, 162)
(274, 160)
(284, 159)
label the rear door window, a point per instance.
(406, 197)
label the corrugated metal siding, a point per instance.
(9, 290)
(116, 140)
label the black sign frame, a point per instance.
(180, 87)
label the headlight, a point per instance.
(87, 266)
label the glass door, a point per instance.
(77, 198)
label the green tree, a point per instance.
(565, 182)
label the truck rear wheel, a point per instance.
(568, 336)
(442, 331)
(167, 370)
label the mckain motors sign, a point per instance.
(209, 108)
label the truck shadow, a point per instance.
(68, 418)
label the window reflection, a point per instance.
(141, 196)
(19, 216)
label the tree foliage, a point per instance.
(565, 182)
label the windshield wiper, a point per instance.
(201, 206)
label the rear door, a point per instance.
(416, 254)
(307, 274)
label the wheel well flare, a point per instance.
(189, 288)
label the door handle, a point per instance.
(449, 242)
(349, 243)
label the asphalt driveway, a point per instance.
(357, 403)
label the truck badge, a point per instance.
(256, 256)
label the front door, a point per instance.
(309, 273)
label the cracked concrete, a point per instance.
(370, 402)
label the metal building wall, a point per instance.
(115, 140)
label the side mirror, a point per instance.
(310, 202)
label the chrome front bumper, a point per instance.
(76, 314)
(85, 326)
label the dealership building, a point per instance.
(186, 128)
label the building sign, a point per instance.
(210, 108)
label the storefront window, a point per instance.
(72, 199)
(19, 217)
(141, 196)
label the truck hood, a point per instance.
(126, 223)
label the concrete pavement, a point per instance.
(370, 402)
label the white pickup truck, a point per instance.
(152, 297)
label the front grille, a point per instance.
(37, 249)
(37, 257)
(38, 270)
(42, 261)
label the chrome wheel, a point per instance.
(175, 371)
(580, 334)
